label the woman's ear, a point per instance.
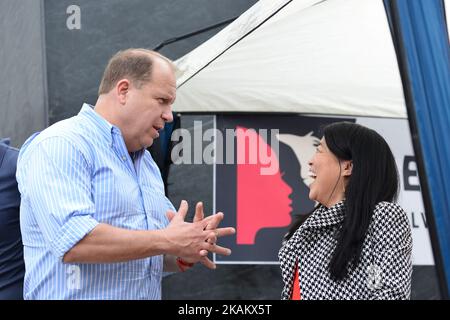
(347, 167)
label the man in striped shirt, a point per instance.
(94, 219)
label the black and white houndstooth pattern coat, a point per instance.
(383, 271)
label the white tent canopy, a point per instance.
(303, 56)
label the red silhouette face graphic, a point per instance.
(262, 200)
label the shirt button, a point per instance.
(124, 158)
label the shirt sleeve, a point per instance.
(389, 276)
(170, 207)
(58, 188)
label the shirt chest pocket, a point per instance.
(118, 201)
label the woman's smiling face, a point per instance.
(325, 170)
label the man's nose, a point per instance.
(168, 116)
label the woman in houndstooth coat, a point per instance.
(356, 244)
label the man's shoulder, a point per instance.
(66, 133)
(71, 129)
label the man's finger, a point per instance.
(213, 221)
(208, 263)
(228, 231)
(170, 215)
(199, 214)
(212, 237)
(182, 210)
(219, 250)
(208, 219)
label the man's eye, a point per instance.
(161, 100)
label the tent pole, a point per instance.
(396, 16)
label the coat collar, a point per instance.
(288, 254)
(324, 217)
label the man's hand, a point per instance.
(210, 225)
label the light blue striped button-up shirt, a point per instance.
(71, 176)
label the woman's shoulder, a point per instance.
(389, 212)
(389, 206)
(390, 226)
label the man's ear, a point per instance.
(347, 166)
(122, 88)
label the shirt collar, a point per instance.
(110, 132)
(104, 127)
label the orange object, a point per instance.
(296, 290)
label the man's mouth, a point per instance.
(157, 130)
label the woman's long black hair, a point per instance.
(374, 179)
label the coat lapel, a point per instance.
(321, 218)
